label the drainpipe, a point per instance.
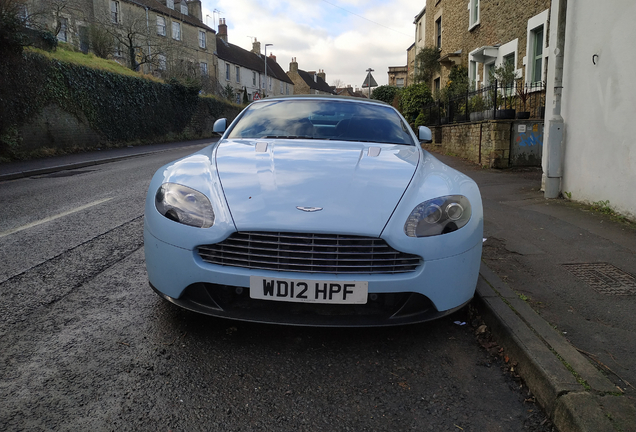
(552, 160)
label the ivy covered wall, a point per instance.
(48, 106)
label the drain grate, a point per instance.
(604, 278)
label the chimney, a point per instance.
(321, 74)
(293, 66)
(273, 57)
(256, 47)
(194, 8)
(222, 29)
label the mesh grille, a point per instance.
(309, 253)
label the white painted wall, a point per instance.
(599, 103)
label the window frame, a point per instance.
(115, 15)
(62, 35)
(227, 71)
(176, 30)
(161, 28)
(537, 54)
(474, 13)
(170, 4)
(162, 62)
(537, 22)
(438, 33)
(204, 68)
(202, 39)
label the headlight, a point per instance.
(438, 216)
(184, 205)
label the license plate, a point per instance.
(308, 291)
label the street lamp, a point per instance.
(265, 89)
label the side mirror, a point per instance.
(425, 134)
(220, 125)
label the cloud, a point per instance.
(343, 37)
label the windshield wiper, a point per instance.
(290, 136)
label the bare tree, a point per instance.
(337, 83)
(133, 34)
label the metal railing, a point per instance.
(493, 102)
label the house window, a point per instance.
(253, 78)
(238, 97)
(118, 51)
(23, 14)
(537, 54)
(161, 26)
(419, 31)
(437, 84)
(62, 35)
(204, 69)
(161, 62)
(238, 74)
(184, 8)
(399, 82)
(438, 32)
(227, 71)
(202, 39)
(472, 74)
(114, 12)
(473, 13)
(269, 81)
(170, 4)
(176, 30)
(281, 88)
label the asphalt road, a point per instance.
(85, 344)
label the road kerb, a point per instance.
(540, 353)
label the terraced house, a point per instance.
(484, 34)
(243, 72)
(163, 37)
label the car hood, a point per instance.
(349, 187)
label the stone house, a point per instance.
(308, 82)
(349, 91)
(483, 34)
(398, 76)
(167, 34)
(244, 71)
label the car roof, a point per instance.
(323, 97)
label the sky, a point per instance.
(342, 37)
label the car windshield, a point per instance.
(322, 119)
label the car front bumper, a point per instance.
(438, 287)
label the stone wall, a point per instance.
(55, 131)
(486, 143)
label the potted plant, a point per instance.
(504, 75)
(523, 95)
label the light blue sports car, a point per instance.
(314, 210)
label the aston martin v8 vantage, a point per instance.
(314, 210)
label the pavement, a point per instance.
(556, 289)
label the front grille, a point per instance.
(309, 253)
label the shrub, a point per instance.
(385, 93)
(412, 99)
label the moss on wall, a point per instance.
(117, 109)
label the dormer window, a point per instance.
(184, 8)
(170, 4)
